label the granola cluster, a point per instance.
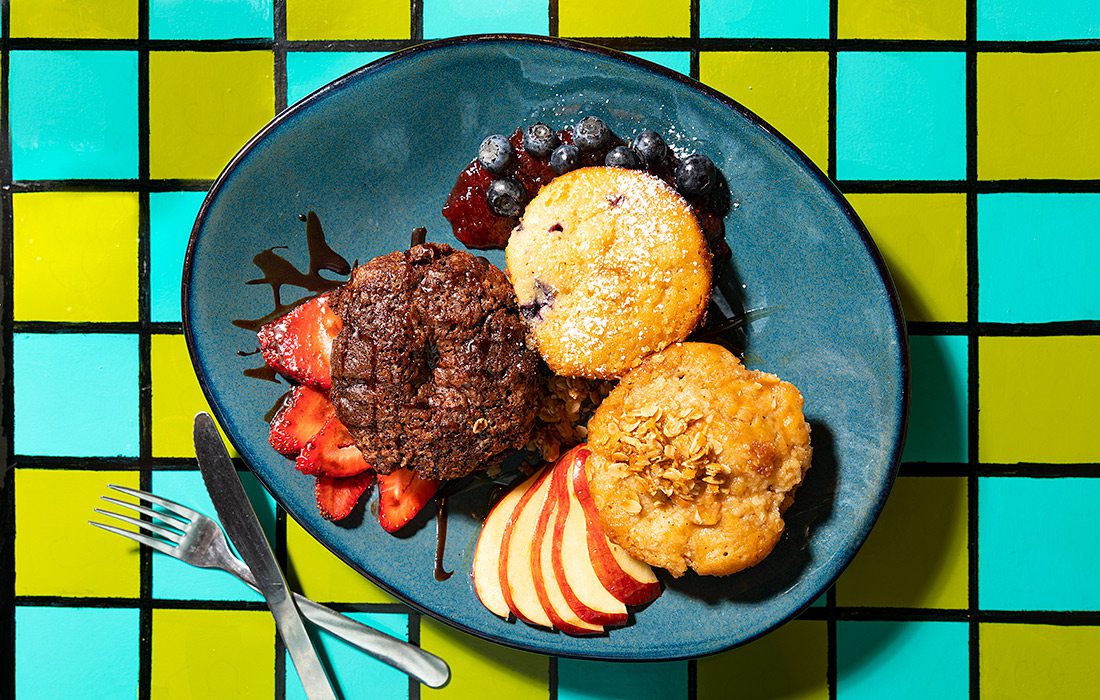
(566, 406)
(673, 455)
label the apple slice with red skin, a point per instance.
(486, 570)
(573, 567)
(549, 591)
(517, 579)
(629, 580)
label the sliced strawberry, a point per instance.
(298, 344)
(337, 495)
(331, 452)
(401, 495)
(303, 413)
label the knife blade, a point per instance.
(243, 527)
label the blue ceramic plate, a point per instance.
(376, 153)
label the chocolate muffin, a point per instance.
(431, 371)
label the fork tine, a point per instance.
(163, 502)
(144, 525)
(159, 545)
(170, 519)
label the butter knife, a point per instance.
(243, 528)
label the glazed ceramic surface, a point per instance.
(376, 153)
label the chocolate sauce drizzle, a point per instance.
(441, 574)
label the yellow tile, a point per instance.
(1038, 116)
(75, 19)
(76, 256)
(923, 240)
(1039, 661)
(213, 653)
(56, 551)
(789, 663)
(646, 18)
(347, 19)
(481, 669)
(176, 398)
(1044, 416)
(789, 90)
(321, 575)
(916, 557)
(203, 107)
(901, 19)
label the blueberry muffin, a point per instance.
(431, 370)
(609, 265)
(695, 458)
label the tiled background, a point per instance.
(966, 134)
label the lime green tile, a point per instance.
(83, 248)
(75, 19)
(177, 397)
(321, 575)
(1037, 399)
(203, 107)
(788, 663)
(57, 552)
(916, 556)
(901, 19)
(347, 19)
(481, 669)
(643, 18)
(789, 90)
(1039, 661)
(213, 653)
(922, 237)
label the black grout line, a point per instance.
(974, 331)
(7, 401)
(693, 18)
(156, 328)
(615, 42)
(113, 185)
(416, 21)
(553, 18)
(414, 622)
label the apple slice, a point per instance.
(549, 592)
(517, 579)
(629, 580)
(487, 553)
(573, 567)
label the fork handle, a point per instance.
(424, 666)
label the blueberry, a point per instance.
(651, 147)
(695, 175)
(540, 140)
(591, 134)
(496, 153)
(623, 157)
(506, 197)
(565, 157)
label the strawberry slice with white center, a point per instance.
(337, 495)
(401, 495)
(303, 413)
(332, 452)
(298, 344)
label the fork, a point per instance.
(198, 540)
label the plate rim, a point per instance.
(901, 335)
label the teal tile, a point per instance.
(171, 216)
(355, 674)
(1038, 257)
(76, 394)
(76, 653)
(73, 114)
(902, 660)
(211, 19)
(901, 115)
(308, 70)
(938, 400)
(453, 17)
(751, 19)
(1037, 544)
(602, 680)
(1032, 20)
(172, 579)
(679, 61)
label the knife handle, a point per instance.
(424, 666)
